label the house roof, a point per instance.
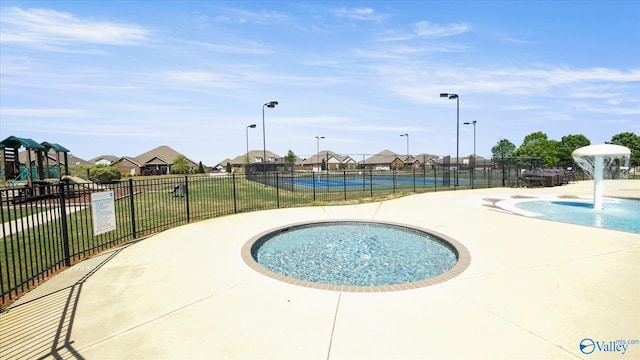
(74, 160)
(298, 161)
(253, 154)
(126, 158)
(156, 160)
(224, 162)
(161, 155)
(109, 158)
(383, 157)
(324, 154)
(49, 158)
(424, 157)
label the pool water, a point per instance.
(355, 253)
(617, 214)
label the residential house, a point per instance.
(428, 161)
(129, 166)
(106, 160)
(157, 161)
(332, 160)
(384, 160)
(239, 163)
(410, 162)
(221, 167)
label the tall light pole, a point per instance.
(318, 150)
(252, 126)
(474, 150)
(407, 136)
(455, 96)
(271, 105)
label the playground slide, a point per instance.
(81, 181)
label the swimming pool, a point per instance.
(617, 214)
(357, 254)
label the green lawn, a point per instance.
(40, 248)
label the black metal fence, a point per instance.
(46, 228)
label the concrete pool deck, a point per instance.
(534, 289)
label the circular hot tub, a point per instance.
(356, 255)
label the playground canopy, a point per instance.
(16, 143)
(10, 166)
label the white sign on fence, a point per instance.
(104, 212)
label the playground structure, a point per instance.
(37, 170)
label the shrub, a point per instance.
(104, 174)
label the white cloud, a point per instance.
(241, 16)
(237, 47)
(364, 14)
(200, 78)
(524, 107)
(549, 82)
(49, 29)
(427, 29)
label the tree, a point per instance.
(81, 171)
(104, 174)
(630, 140)
(323, 166)
(228, 168)
(503, 149)
(567, 145)
(290, 160)
(537, 145)
(180, 165)
(96, 173)
(200, 168)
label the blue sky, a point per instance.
(120, 78)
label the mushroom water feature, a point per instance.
(594, 159)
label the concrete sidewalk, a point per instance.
(534, 289)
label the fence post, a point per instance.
(435, 179)
(133, 209)
(313, 181)
(63, 220)
(414, 179)
(371, 182)
(186, 194)
(344, 184)
(235, 196)
(277, 192)
(394, 180)
(490, 173)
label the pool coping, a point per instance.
(462, 253)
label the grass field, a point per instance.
(142, 207)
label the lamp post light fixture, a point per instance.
(318, 150)
(252, 126)
(407, 136)
(271, 105)
(455, 96)
(474, 150)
